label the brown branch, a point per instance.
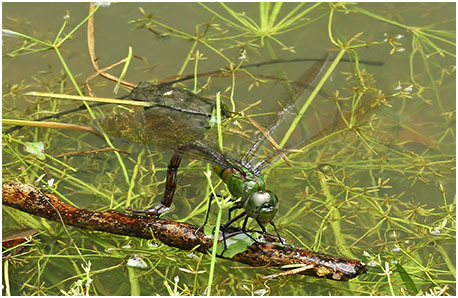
(29, 199)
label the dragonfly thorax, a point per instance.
(240, 184)
(258, 203)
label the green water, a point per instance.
(383, 190)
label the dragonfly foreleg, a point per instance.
(278, 234)
(244, 230)
(275, 228)
(212, 196)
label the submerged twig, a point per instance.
(91, 47)
(221, 72)
(30, 199)
(93, 151)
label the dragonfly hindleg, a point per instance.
(208, 211)
(244, 230)
(226, 225)
(229, 216)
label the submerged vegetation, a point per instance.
(376, 183)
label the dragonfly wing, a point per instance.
(204, 151)
(166, 129)
(174, 98)
(161, 127)
(326, 118)
(299, 93)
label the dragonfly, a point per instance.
(180, 121)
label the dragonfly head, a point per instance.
(262, 205)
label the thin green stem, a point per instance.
(46, 43)
(188, 57)
(331, 16)
(218, 121)
(124, 70)
(70, 34)
(133, 179)
(133, 281)
(92, 99)
(215, 236)
(60, 32)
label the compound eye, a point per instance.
(262, 205)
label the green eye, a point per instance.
(262, 205)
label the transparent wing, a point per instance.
(175, 98)
(166, 129)
(327, 118)
(310, 124)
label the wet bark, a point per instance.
(38, 202)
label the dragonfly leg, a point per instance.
(230, 211)
(278, 234)
(208, 211)
(244, 230)
(226, 225)
(275, 228)
(206, 215)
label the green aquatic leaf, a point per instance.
(408, 282)
(236, 244)
(36, 148)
